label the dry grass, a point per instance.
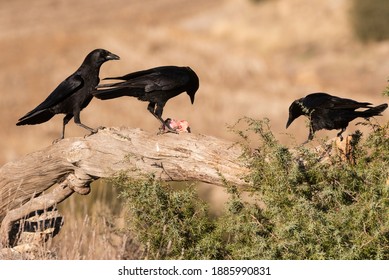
(252, 60)
(93, 228)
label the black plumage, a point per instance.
(73, 94)
(156, 86)
(330, 112)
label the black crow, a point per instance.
(155, 85)
(73, 94)
(330, 112)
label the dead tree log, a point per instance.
(42, 179)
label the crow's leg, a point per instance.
(311, 134)
(166, 127)
(157, 113)
(66, 119)
(77, 121)
(340, 134)
(151, 108)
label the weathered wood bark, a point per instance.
(72, 164)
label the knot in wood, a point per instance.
(77, 151)
(79, 182)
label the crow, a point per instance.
(156, 86)
(330, 112)
(73, 94)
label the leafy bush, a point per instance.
(170, 224)
(323, 209)
(386, 91)
(370, 19)
(304, 207)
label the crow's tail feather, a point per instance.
(375, 111)
(111, 93)
(36, 117)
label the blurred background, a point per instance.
(253, 59)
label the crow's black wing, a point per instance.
(325, 101)
(63, 91)
(154, 79)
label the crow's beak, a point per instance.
(290, 120)
(112, 56)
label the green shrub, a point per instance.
(171, 224)
(370, 19)
(311, 209)
(324, 209)
(386, 91)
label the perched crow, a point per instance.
(73, 94)
(330, 112)
(155, 85)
